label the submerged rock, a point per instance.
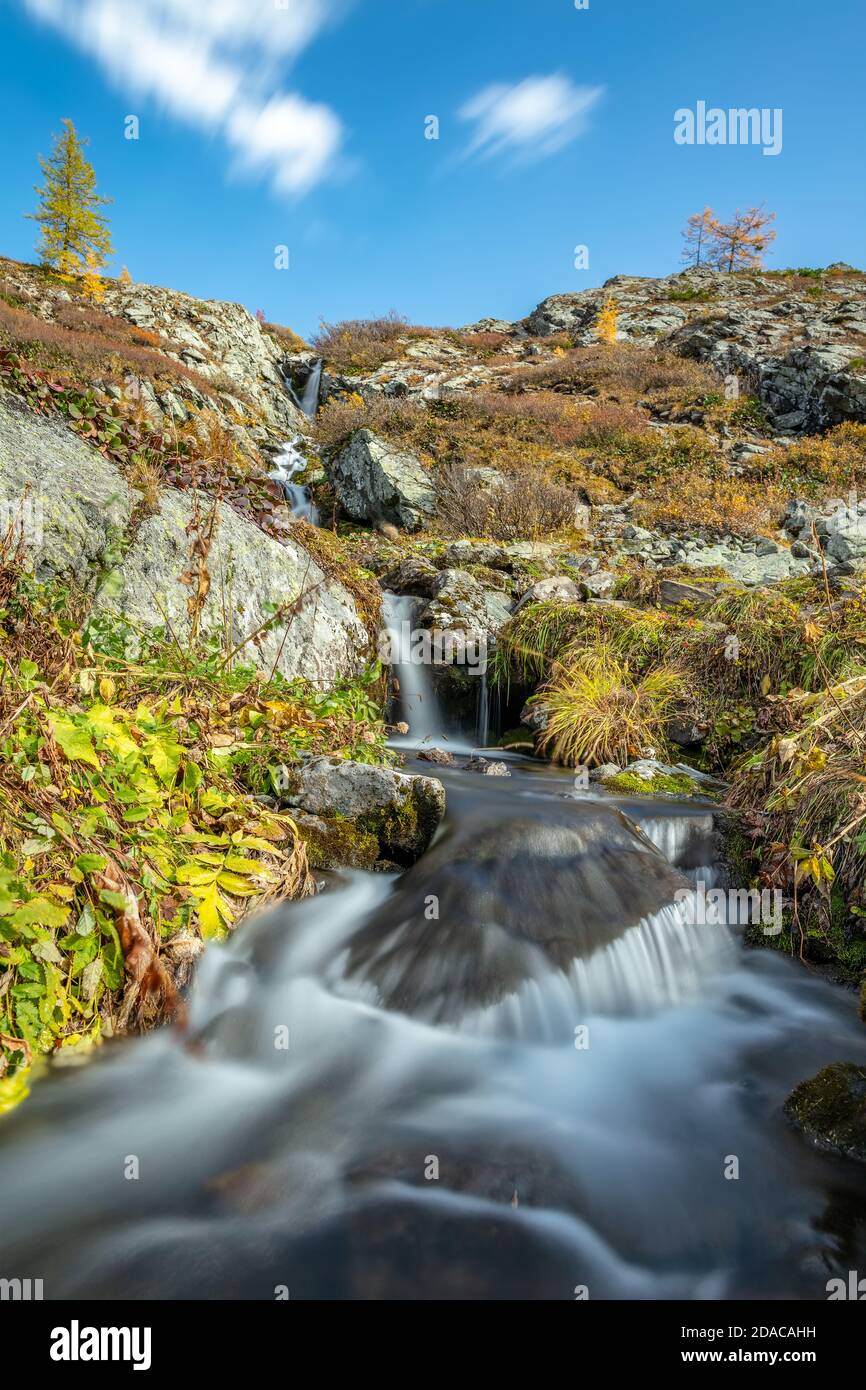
(401, 810)
(437, 755)
(487, 767)
(512, 897)
(830, 1110)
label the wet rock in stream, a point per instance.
(497, 903)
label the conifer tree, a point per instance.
(72, 227)
(605, 324)
(124, 278)
(698, 237)
(740, 244)
(92, 283)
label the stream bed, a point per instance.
(569, 1138)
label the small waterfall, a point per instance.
(308, 400)
(287, 464)
(660, 962)
(418, 706)
(483, 710)
(689, 841)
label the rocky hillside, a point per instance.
(655, 532)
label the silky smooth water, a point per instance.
(577, 1133)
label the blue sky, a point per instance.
(303, 125)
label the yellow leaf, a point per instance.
(62, 890)
(107, 689)
(214, 912)
(240, 887)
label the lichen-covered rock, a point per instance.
(675, 591)
(401, 810)
(73, 504)
(306, 621)
(412, 575)
(794, 350)
(558, 589)
(375, 482)
(461, 604)
(830, 1109)
(599, 584)
(461, 554)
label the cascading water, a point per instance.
(580, 1110)
(287, 464)
(291, 461)
(308, 400)
(417, 703)
(483, 722)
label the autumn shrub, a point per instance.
(287, 338)
(394, 417)
(86, 319)
(509, 508)
(621, 369)
(716, 504)
(94, 354)
(483, 343)
(360, 345)
(815, 464)
(562, 423)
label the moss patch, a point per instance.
(830, 1109)
(333, 842)
(669, 784)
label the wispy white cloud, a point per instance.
(530, 119)
(215, 64)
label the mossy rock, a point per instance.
(490, 578)
(663, 784)
(336, 843)
(830, 1110)
(399, 811)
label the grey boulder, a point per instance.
(376, 482)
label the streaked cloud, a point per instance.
(529, 120)
(215, 64)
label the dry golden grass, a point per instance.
(622, 370)
(598, 712)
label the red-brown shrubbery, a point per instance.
(509, 509)
(359, 345)
(100, 351)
